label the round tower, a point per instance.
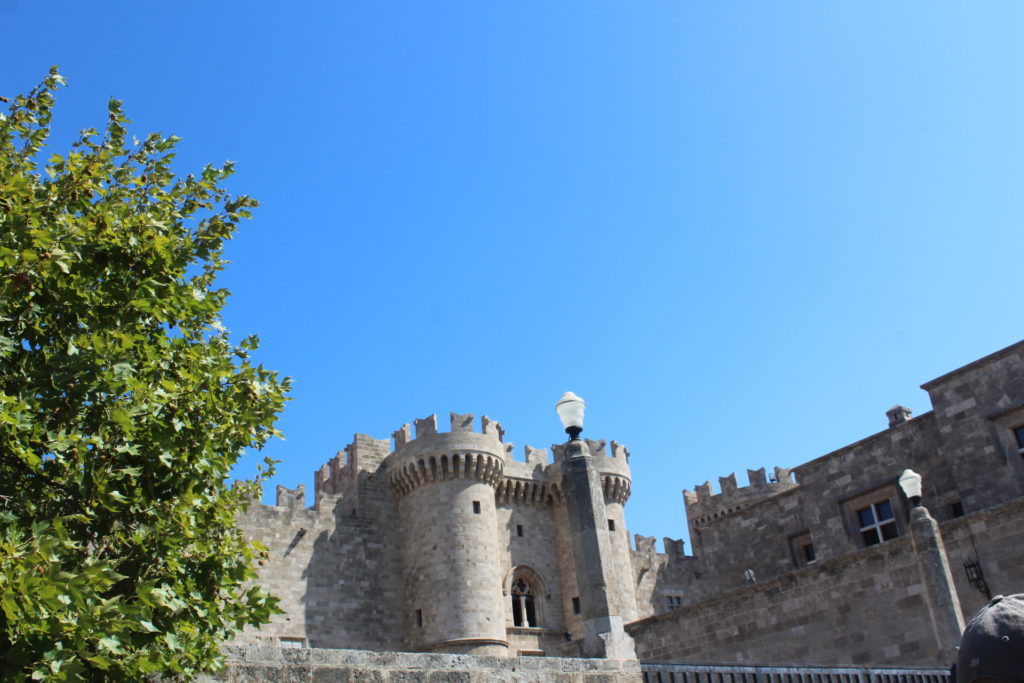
(616, 485)
(444, 484)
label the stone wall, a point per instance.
(802, 538)
(975, 407)
(533, 551)
(865, 608)
(995, 539)
(837, 613)
(268, 664)
(660, 576)
(272, 665)
(762, 533)
(415, 548)
(964, 449)
(338, 578)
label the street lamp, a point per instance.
(570, 411)
(910, 482)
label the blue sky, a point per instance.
(740, 230)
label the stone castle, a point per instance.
(444, 542)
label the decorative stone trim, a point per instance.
(530, 575)
(462, 642)
(416, 472)
(616, 488)
(524, 492)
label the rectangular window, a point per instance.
(419, 618)
(476, 507)
(877, 523)
(519, 529)
(611, 525)
(808, 553)
(674, 601)
(1018, 433)
(802, 549)
(575, 605)
(956, 509)
(291, 642)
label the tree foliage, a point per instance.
(123, 406)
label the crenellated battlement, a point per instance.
(646, 546)
(340, 475)
(703, 505)
(291, 498)
(461, 453)
(617, 461)
(461, 423)
(614, 468)
(422, 454)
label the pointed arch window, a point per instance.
(525, 589)
(524, 604)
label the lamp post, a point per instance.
(933, 565)
(570, 411)
(910, 482)
(599, 630)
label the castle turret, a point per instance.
(593, 544)
(616, 485)
(445, 484)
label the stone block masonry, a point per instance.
(274, 665)
(447, 544)
(829, 563)
(263, 665)
(444, 542)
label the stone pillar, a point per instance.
(592, 554)
(943, 604)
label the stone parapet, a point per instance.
(613, 469)
(269, 663)
(810, 616)
(704, 506)
(458, 454)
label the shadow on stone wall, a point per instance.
(353, 577)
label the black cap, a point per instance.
(993, 642)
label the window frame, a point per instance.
(867, 498)
(525, 593)
(878, 525)
(798, 545)
(1010, 423)
(525, 606)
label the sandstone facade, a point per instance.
(828, 563)
(445, 542)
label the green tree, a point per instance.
(123, 407)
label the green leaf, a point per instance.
(124, 406)
(111, 644)
(100, 661)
